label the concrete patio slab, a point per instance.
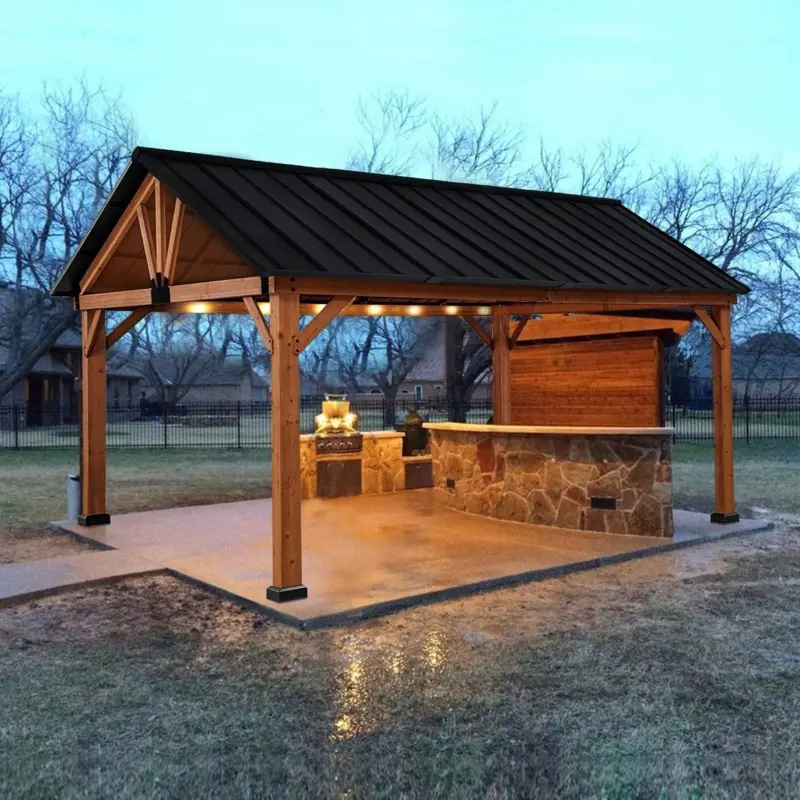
(30, 579)
(370, 555)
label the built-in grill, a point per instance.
(338, 446)
(330, 444)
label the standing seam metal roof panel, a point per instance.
(307, 222)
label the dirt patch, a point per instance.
(36, 545)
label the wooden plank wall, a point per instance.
(605, 382)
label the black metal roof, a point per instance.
(310, 222)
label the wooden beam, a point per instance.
(563, 326)
(117, 234)
(147, 243)
(161, 230)
(710, 324)
(93, 418)
(373, 310)
(90, 338)
(334, 307)
(518, 330)
(476, 326)
(722, 387)
(491, 293)
(126, 325)
(171, 259)
(287, 577)
(501, 370)
(261, 323)
(128, 298)
(210, 290)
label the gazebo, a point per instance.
(185, 232)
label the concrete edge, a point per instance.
(60, 527)
(53, 591)
(385, 608)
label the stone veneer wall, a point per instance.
(382, 467)
(548, 479)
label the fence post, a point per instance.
(747, 418)
(239, 424)
(15, 410)
(164, 417)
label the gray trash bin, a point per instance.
(73, 496)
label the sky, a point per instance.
(280, 81)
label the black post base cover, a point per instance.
(87, 520)
(724, 519)
(287, 593)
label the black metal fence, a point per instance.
(248, 425)
(755, 418)
(231, 425)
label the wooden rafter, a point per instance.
(261, 323)
(147, 242)
(476, 326)
(161, 230)
(512, 340)
(334, 307)
(710, 324)
(126, 325)
(117, 234)
(171, 258)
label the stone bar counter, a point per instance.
(615, 480)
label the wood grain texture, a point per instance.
(604, 382)
(93, 412)
(501, 369)
(722, 389)
(286, 488)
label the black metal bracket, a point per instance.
(159, 295)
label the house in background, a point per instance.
(427, 379)
(767, 364)
(230, 381)
(49, 393)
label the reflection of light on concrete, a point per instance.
(433, 649)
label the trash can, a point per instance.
(73, 496)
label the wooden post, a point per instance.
(721, 363)
(287, 580)
(93, 418)
(501, 369)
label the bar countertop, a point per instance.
(566, 430)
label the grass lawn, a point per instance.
(675, 676)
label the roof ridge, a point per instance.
(375, 177)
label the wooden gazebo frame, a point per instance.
(156, 229)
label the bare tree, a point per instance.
(177, 351)
(399, 344)
(745, 218)
(56, 169)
